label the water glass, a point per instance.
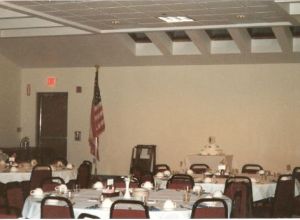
(186, 197)
(76, 188)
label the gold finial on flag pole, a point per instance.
(97, 67)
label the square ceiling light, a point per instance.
(175, 19)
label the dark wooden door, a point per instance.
(52, 117)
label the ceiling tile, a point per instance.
(150, 8)
(131, 15)
(6, 13)
(118, 10)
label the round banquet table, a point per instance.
(24, 175)
(87, 201)
(260, 190)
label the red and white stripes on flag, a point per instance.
(97, 125)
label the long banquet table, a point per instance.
(87, 201)
(24, 174)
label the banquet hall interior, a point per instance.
(181, 82)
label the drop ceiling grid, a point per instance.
(98, 13)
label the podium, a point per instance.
(211, 160)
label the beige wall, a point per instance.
(252, 110)
(9, 103)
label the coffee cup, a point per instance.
(62, 188)
(197, 189)
(160, 175)
(38, 192)
(190, 172)
(2, 164)
(207, 180)
(33, 162)
(147, 185)
(167, 173)
(169, 204)
(69, 166)
(13, 169)
(98, 185)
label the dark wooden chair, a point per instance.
(180, 181)
(84, 173)
(199, 168)
(239, 190)
(143, 159)
(296, 175)
(38, 174)
(3, 198)
(202, 208)
(131, 209)
(56, 207)
(281, 205)
(14, 198)
(251, 168)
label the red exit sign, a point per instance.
(51, 81)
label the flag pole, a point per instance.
(95, 159)
(96, 139)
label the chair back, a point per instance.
(199, 168)
(161, 168)
(239, 190)
(296, 173)
(14, 198)
(251, 168)
(2, 197)
(87, 216)
(180, 181)
(84, 174)
(210, 208)
(131, 209)
(56, 207)
(38, 173)
(284, 196)
(50, 183)
(143, 159)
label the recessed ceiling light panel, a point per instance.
(176, 19)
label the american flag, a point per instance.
(97, 125)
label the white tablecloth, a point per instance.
(88, 197)
(22, 175)
(259, 190)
